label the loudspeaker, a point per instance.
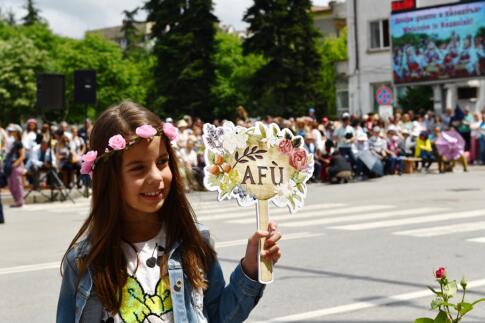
(85, 87)
(50, 92)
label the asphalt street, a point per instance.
(358, 252)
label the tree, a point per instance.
(184, 74)
(8, 16)
(417, 98)
(33, 14)
(20, 60)
(332, 50)
(233, 75)
(132, 35)
(283, 32)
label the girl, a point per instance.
(141, 256)
(14, 165)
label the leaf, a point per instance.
(254, 149)
(441, 318)
(450, 289)
(275, 131)
(246, 151)
(434, 291)
(424, 320)
(300, 187)
(244, 161)
(236, 156)
(262, 130)
(437, 302)
(297, 197)
(258, 156)
(262, 151)
(274, 163)
(251, 157)
(465, 308)
(296, 142)
(211, 156)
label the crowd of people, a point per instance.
(351, 148)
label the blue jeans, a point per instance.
(427, 158)
(356, 164)
(395, 163)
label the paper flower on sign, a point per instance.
(259, 163)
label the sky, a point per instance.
(73, 17)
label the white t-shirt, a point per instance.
(145, 298)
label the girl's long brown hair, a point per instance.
(102, 228)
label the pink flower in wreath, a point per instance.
(170, 131)
(117, 142)
(88, 159)
(285, 146)
(299, 158)
(146, 131)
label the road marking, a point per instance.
(361, 305)
(479, 240)
(443, 230)
(221, 212)
(304, 214)
(290, 236)
(418, 220)
(29, 268)
(219, 245)
(361, 217)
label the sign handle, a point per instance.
(265, 270)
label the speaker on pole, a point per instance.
(85, 87)
(50, 92)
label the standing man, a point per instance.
(344, 137)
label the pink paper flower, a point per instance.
(170, 131)
(285, 146)
(440, 273)
(88, 160)
(117, 142)
(146, 131)
(299, 158)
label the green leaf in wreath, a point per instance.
(300, 187)
(464, 308)
(262, 130)
(211, 156)
(436, 303)
(296, 142)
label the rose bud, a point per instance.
(218, 160)
(227, 168)
(440, 273)
(214, 170)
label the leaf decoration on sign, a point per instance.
(249, 154)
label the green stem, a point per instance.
(445, 298)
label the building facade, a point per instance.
(370, 61)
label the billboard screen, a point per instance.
(438, 44)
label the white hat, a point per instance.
(392, 128)
(15, 127)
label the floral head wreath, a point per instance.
(118, 142)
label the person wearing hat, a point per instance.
(14, 165)
(184, 133)
(29, 137)
(344, 137)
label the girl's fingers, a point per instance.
(274, 237)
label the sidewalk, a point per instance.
(36, 197)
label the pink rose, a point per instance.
(170, 131)
(285, 146)
(146, 131)
(440, 273)
(88, 159)
(117, 142)
(298, 158)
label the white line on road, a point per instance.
(290, 236)
(479, 240)
(304, 214)
(28, 268)
(361, 305)
(362, 217)
(418, 220)
(443, 230)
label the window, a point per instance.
(379, 34)
(342, 100)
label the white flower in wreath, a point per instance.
(283, 193)
(234, 137)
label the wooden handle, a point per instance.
(265, 272)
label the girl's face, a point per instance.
(146, 176)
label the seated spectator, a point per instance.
(42, 160)
(395, 147)
(63, 155)
(194, 174)
(424, 150)
(378, 146)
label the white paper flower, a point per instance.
(283, 192)
(234, 137)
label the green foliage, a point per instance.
(417, 98)
(233, 75)
(184, 74)
(20, 60)
(332, 50)
(283, 32)
(132, 35)
(27, 50)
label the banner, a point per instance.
(438, 44)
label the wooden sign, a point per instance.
(257, 165)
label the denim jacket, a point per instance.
(221, 303)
